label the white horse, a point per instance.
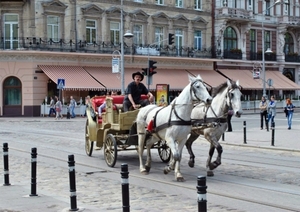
(225, 96)
(171, 123)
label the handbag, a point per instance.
(58, 109)
(286, 112)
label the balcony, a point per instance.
(294, 58)
(233, 54)
(102, 47)
(258, 56)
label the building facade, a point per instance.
(246, 29)
(43, 41)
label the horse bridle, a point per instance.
(192, 89)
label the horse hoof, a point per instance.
(210, 173)
(166, 171)
(191, 164)
(180, 179)
(144, 172)
(148, 168)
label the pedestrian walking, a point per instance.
(58, 108)
(271, 110)
(73, 104)
(52, 107)
(263, 106)
(289, 108)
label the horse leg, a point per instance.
(171, 165)
(149, 159)
(217, 162)
(210, 173)
(178, 175)
(141, 140)
(188, 145)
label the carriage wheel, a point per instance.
(164, 151)
(88, 143)
(110, 150)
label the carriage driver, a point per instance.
(134, 91)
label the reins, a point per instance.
(181, 121)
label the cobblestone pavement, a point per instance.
(95, 192)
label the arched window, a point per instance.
(12, 91)
(230, 39)
(289, 44)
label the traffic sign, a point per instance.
(61, 83)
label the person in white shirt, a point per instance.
(101, 107)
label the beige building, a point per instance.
(44, 41)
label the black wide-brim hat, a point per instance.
(138, 73)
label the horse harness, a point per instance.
(170, 122)
(213, 121)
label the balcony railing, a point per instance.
(258, 56)
(32, 43)
(292, 58)
(227, 54)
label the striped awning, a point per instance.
(281, 82)
(177, 79)
(75, 77)
(245, 77)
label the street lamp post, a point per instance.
(263, 46)
(122, 53)
(126, 35)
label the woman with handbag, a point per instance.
(263, 106)
(272, 109)
(289, 108)
(58, 108)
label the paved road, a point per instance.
(15, 197)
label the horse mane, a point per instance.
(221, 87)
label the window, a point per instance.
(138, 34)
(268, 9)
(230, 39)
(234, 4)
(252, 40)
(178, 40)
(198, 5)
(12, 91)
(138, 0)
(11, 31)
(159, 2)
(115, 32)
(90, 31)
(289, 44)
(159, 35)
(179, 3)
(197, 40)
(267, 40)
(53, 27)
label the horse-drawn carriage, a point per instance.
(115, 130)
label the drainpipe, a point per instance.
(213, 46)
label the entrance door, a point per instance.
(12, 97)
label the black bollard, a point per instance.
(245, 136)
(223, 137)
(201, 190)
(125, 187)
(73, 196)
(33, 172)
(273, 133)
(5, 163)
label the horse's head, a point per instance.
(234, 97)
(198, 90)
